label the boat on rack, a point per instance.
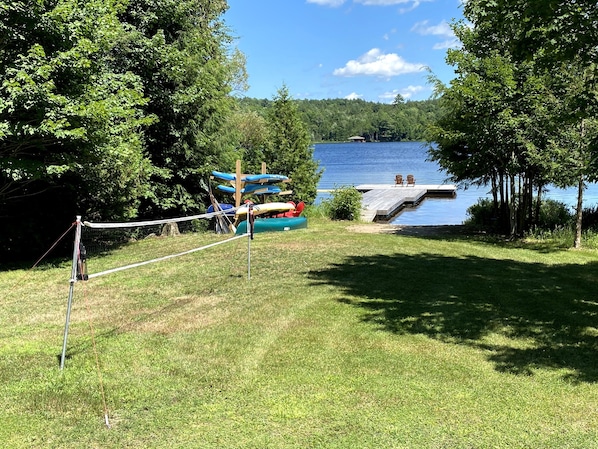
(265, 209)
(255, 189)
(265, 178)
(267, 217)
(261, 178)
(228, 209)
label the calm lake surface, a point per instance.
(351, 164)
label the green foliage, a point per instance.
(289, 150)
(540, 29)
(590, 218)
(64, 112)
(482, 215)
(344, 204)
(179, 49)
(512, 121)
(277, 136)
(110, 109)
(337, 119)
(250, 130)
(553, 215)
(70, 125)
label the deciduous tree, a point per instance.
(70, 127)
(511, 105)
(180, 51)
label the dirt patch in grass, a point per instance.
(417, 231)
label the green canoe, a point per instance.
(273, 224)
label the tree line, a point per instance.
(335, 120)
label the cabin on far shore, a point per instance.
(357, 139)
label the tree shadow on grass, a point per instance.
(543, 316)
(465, 233)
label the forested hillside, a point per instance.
(339, 119)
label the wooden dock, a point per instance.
(383, 201)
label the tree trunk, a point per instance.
(170, 230)
(580, 186)
(530, 204)
(536, 219)
(494, 193)
(521, 215)
(513, 208)
(579, 213)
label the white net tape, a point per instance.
(159, 259)
(79, 267)
(132, 224)
(112, 240)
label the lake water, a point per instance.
(351, 164)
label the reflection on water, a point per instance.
(351, 164)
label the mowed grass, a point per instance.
(340, 339)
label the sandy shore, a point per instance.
(419, 231)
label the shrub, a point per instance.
(345, 204)
(590, 218)
(554, 214)
(482, 214)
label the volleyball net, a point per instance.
(143, 243)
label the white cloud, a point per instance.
(451, 43)
(332, 3)
(409, 91)
(442, 29)
(415, 5)
(335, 3)
(353, 96)
(406, 93)
(376, 63)
(384, 2)
(389, 96)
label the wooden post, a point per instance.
(238, 185)
(238, 181)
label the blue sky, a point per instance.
(368, 49)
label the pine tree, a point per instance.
(289, 150)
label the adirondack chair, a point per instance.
(399, 180)
(410, 180)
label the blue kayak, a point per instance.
(265, 178)
(224, 176)
(256, 189)
(224, 207)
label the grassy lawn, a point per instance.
(340, 339)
